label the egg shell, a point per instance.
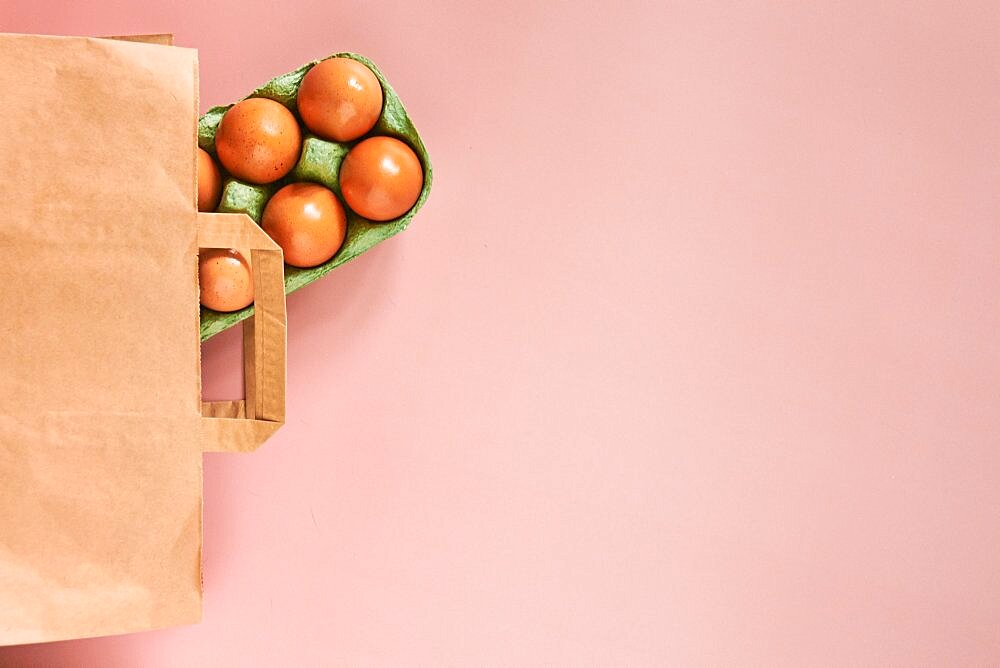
(258, 140)
(339, 99)
(209, 182)
(225, 280)
(307, 221)
(381, 178)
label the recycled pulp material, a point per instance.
(319, 162)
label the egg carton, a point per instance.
(319, 162)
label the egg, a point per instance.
(209, 182)
(340, 99)
(381, 178)
(307, 221)
(225, 279)
(258, 140)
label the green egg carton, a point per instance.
(319, 162)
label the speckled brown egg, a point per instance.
(258, 140)
(225, 279)
(209, 182)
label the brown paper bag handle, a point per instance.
(242, 425)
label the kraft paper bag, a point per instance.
(102, 427)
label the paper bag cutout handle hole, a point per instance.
(243, 425)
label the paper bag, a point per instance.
(102, 427)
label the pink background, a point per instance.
(692, 356)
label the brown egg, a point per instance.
(209, 182)
(225, 278)
(258, 140)
(340, 99)
(307, 221)
(381, 178)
